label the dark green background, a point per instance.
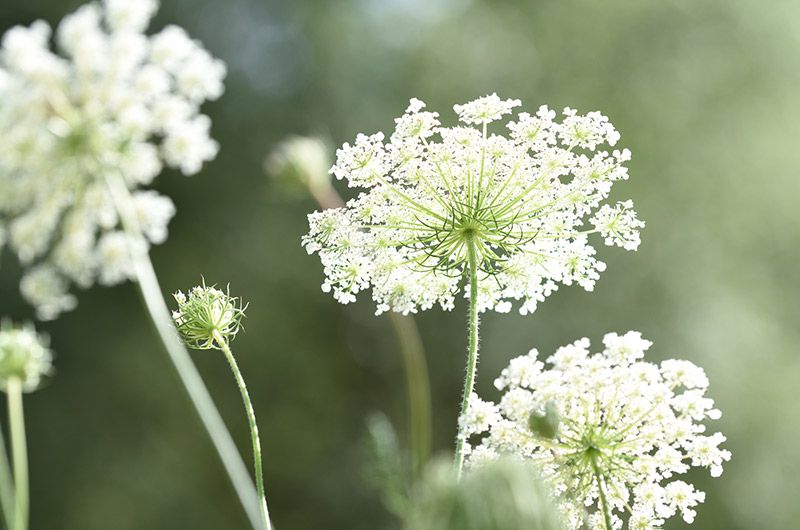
(705, 94)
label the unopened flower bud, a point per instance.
(206, 315)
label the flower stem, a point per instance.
(418, 390)
(6, 485)
(251, 419)
(418, 386)
(16, 420)
(472, 353)
(187, 371)
(602, 493)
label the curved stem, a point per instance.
(251, 419)
(418, 390)
(187, 371)
(6, 485)
(472, 352)
(16, 420)
(602, 493)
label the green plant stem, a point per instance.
(187, 371)
(16, 420)
(251, 419)
(6, 485)
(472, 352)
(602, 493)
(418, 385)
(418, 391)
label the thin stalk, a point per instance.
(602, 493)
(472, 352)
(187, 371)
(251, 420)
(6, 485)
(418, 390)
(19, 448)
(418, 387)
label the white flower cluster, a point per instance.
(622, 430)
(24, 355)
(523, 206)
(110, 98)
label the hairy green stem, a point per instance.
(19, 448)
(6, 485)
(159, 313)
(602, 493)
(251, 419)
(418, 391)
(472, 352)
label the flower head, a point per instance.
(623, 430)
(24, 355)
(300, 162)
(523, 205)
(109, 98)
(207, 315)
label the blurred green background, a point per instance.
(706, 96)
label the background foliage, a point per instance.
(705, 95)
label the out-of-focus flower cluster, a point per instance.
(525, 203)
(623, 429)
(505, 494)
(24, 355)
(109, 98)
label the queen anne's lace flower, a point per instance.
(110, 98)
(624, 428)
(207, 315)
(521, 203)
(24, 355)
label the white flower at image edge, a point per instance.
(107, 98)
(524, 205)
(624, 429)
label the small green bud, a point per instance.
(24, 355)
(206, 314)
(545, 425)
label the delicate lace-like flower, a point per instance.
(23, 355)
(522, 204)
(110, 98)
(619, 430)
(207, 315)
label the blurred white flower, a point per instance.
(23, 355)
(109, 99)
(519, 204)
(618, 430)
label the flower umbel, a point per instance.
(109, 99)
(207, 313)
(24, 355)
(625, 429)
(524, 204)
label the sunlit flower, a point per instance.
(206, 316)
(24, 355)
(522, 205)
(109, 99)
(622, 430)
